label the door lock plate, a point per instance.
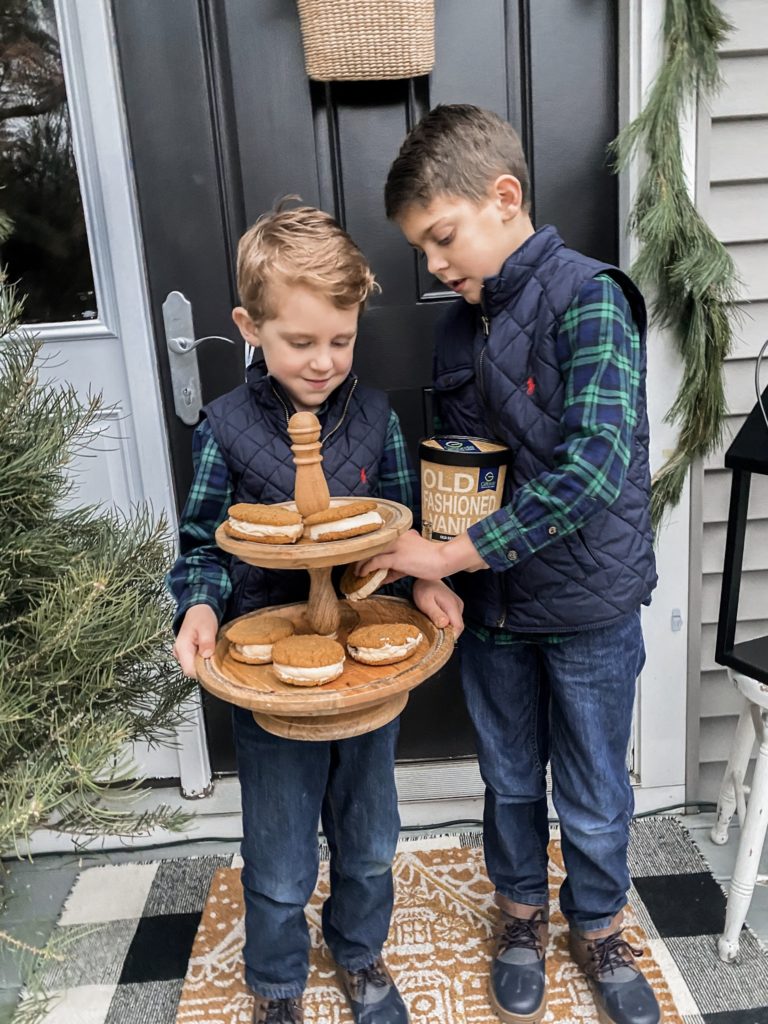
(182, 358)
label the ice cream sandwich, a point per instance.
(307, 660)
(383, 644)
(251, 639)
(340, 521)
(355, 588)
(267, 524)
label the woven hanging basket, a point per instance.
(367, 39)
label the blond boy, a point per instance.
(303, 283)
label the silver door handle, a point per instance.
(181, 343)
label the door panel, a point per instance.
(223, 122)
(574, 74)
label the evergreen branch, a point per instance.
(37, 965)
(85, 634)
(687, 270)
(85, 640)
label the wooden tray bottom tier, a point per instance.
(338, 726)
(257, 687)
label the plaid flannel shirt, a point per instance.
(598, 348)
(200, 574)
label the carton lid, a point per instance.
(462, 450)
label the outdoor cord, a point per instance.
(686, 807)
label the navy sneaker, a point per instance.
(277, 1011)
(518, 973)
(373, 995)
(621, 993)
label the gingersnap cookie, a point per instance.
(307, 660)
(384, 643)
(355, 588)
(251, 640)
(340, 521)
(267, 524)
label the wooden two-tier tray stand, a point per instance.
(364, 697)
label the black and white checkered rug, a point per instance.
(127, 965)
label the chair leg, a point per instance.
(733, 779)
(753, 830)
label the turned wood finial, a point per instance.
(311, 486)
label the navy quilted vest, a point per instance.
(605, 569)
(250, 425)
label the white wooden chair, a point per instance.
(753, 813)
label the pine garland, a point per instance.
(687, 270)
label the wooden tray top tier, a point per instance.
(310, 554)
(359, 686)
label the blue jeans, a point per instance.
(571, 703)
(287, 787)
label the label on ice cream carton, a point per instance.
(462, 482)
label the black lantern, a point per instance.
(747, 455)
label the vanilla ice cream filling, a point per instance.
(341, 525)
(263, 530)
(289, 672)
(387, 651)
(255, 650)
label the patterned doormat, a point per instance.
(164, 946)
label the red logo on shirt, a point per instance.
(363, 476)
(531, 386)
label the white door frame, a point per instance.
(660, 727)
(116, 353)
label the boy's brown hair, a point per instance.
(456, 149)
(300, 246)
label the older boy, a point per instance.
(303, 283)
(546, 354)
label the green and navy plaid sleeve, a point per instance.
(200, 574)
(598, 347)
(397, 481)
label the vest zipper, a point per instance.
(341, 418)
(480, 368)
(280, 400)
(485, 321)
(343, 413)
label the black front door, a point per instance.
(223, 122)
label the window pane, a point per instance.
(46, 250)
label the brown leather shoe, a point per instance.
(277, 1011)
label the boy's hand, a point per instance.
(196, 636)
(412, 555)
(440, 604)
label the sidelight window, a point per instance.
(43, 240)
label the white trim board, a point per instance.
(661, 713)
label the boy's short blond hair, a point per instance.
(300, 246)
(455, 150)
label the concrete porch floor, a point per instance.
(36, 891)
